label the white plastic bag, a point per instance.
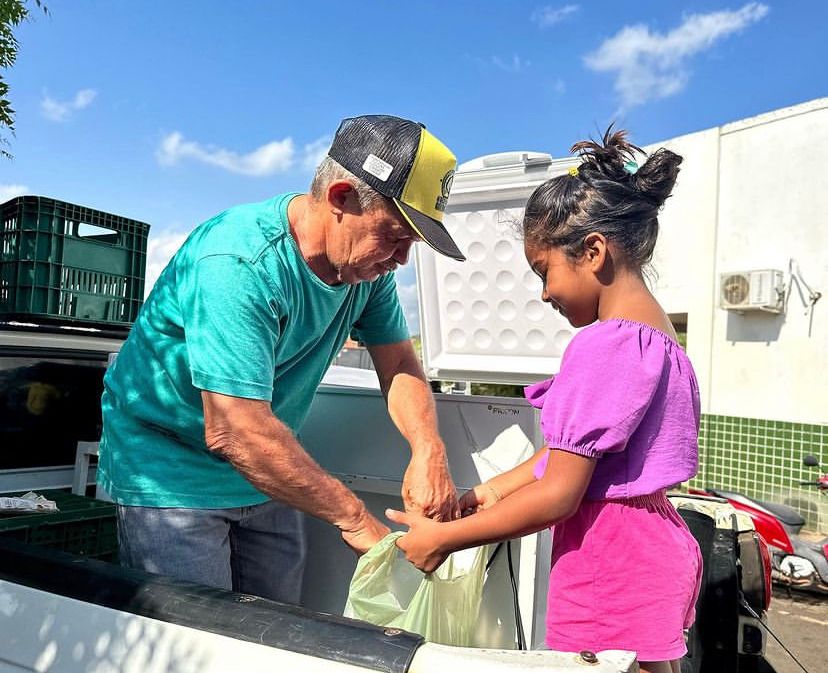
(28, 502)
(443, 606)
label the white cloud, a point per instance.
(516, 64)
(316, 151)
(10, 191)
(160, 249)
(270, 158)
(650, 65)
(559, 86)
(548, 16)
(59, 111)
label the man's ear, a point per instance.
(595, 251)
(341, 196)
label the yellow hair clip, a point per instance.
(574, 171)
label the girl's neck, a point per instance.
(622, 295)
(629, 298)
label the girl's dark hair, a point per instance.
(605, 195)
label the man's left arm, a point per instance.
(427, 485)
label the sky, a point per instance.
(169, 112)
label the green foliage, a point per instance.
(12, 14)
(496, 389)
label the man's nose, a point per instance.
(400, 255)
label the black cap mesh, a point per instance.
(392, 139)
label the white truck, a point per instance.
(60, 612)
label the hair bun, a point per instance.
(609, 159)
(656, 178)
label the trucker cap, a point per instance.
(403, 161)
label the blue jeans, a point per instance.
(257, 550)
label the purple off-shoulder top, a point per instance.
(627, 395)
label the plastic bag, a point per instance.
(443, 606)
(29, 502)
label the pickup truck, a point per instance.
(62, 612)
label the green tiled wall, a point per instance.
(763, 459)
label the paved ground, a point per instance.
(801, 622)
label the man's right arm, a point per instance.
(263, 449)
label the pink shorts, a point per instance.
(625, 575)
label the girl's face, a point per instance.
(569, 286)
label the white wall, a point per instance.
(752, 195)
(684, 258)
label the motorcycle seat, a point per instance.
(787, 515)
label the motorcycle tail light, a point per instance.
(754, 570)
(766, 568)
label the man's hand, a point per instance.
(428, 489)
(364, 533)
(421, 544)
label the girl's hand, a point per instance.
(477, 499)
(421, 543)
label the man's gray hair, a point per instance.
(329, 170)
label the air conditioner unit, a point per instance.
(759, 290)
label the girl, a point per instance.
(620, 420)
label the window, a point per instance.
(679, 321)
(47, 405)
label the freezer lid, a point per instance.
(483, 319)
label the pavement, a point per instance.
(801, 623)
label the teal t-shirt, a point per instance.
(237, 311)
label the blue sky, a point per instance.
(169, 112)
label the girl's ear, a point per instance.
(595, 251)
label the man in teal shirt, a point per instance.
(202, 405)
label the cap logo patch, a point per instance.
(377, 167)
(445, 190)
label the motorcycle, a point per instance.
(797, 563)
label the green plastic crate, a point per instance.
(59, 261)
(83, 526)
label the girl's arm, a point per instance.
(535, 506)
(500, 486)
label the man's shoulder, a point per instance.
(263, 219)
(243, 230)
(269, 210)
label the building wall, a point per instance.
(684, 259)
(773, 208)
(754, 195)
